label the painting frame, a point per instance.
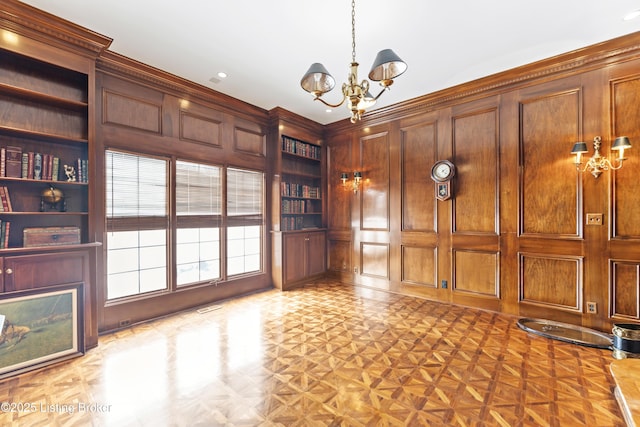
(40, 327)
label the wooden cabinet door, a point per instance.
(294, 262)
(24, 272)
(316, 253)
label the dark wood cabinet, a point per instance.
(302, 256)
(25, 269)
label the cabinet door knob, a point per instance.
(8, 271)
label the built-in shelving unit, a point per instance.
(298, 201)
(44, 110)
(301, 185)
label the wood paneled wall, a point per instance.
(514, 237)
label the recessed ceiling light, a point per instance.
(632, 15)
(328, 110)
(222, 74)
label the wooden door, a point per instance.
(316, 253)
(294, 263)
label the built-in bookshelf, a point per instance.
(301, 185)
(43, 147)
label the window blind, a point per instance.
(136, 191)
(245, 197)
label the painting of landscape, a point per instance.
(37, 328)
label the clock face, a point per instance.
(442, 170)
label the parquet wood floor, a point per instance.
(327, 354)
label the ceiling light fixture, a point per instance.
(386, 67)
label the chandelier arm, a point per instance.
(384, 89)
(317, 98)
(613, 167)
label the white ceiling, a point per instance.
(266, 46)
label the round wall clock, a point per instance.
(442, 171)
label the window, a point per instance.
(218, 234)
(137, 224)
(198, 209)
(244, 215)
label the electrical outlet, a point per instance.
(592, 307)
(443, 284)
(594, 219)
(124, 323)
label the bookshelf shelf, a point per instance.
(40, 97)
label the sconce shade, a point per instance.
(357, 175)
(621, 142)
(387, 66)
(344, 176)
(317, 80)
(579, 147)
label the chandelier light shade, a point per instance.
(317, 80)
(386, 67)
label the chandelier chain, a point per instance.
(353, 30)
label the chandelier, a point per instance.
(386, 67)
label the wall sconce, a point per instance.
(597, 163)
(357, 178)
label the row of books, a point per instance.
(295, 206)
(292, 223)
(293, 146)
(14, 163)
(4, 234)
(5, 200)
(289, 189)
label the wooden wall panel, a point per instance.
(625, 289)
(476, 156)
(375, 259)
(132, 113)
(548, 127)
(251, 141)
(418, 154)
(339, 161)
(374, 195)
(476, 272)
(552, 281)
(419, 266)
(626, 111)
(200, 129)
(339, 256)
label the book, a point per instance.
(25, 165)
(13, 162)
(8, 198)
(6, 234)
(55, 169)
(37, 166)
(50, 167)
(3, 161)
(3, 199)
(30, 165)
(45, 166)
(85, 167)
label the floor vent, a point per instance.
(208, 309)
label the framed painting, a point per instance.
(40, 327)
